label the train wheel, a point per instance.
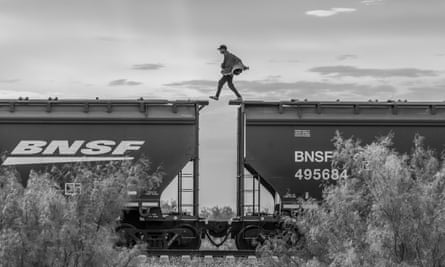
(126, 236)
(189, 239)
(248, 237)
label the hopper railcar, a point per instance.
(39, 133)
(287, 147)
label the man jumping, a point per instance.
(231, 65)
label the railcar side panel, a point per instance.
(37, 134)
(296, 159)
(290, 144)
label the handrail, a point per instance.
(336, 103)
(101, 101)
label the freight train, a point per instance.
(282, 146)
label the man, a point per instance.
(231, 65)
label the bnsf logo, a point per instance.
(313, 156)
(58, 151)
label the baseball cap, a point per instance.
(222, 47)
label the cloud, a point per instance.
(435, 92)
(147, 66)
(372, 2)
(273, 77)
(200, 85)
(10, 81)
(272, 89)
(213, 62)
(15, 94)
(284, 61)
(346, 57)
(122, 82)
(110, 39)
(350, 71)
(329, 12)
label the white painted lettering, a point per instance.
(299, 156)
(63, 147)
(29, 147)
(125, 146)
(313, 156)
(98, 147)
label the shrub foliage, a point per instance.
(389, 212)
(41, 226)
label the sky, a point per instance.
(305, 49)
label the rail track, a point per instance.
(218, 257)
(199, 253)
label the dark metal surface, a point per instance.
(278, 133)
(168, 130)
(196, 166)
(240, 161)
(99, 111)
(294, 102)
(97, 101)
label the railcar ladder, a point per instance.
(254, 206)
(185, 187)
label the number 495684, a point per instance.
(321, 174)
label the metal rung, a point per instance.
(187, 190)
(251, 207)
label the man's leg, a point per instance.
(221, 83)
(232, 87)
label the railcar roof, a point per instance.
(95, 110)
(98, 101)
(295, 102)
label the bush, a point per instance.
(40, 226)
(389, 212)
(217, 213)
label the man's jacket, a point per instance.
(230, 61)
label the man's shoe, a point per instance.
(213, 97)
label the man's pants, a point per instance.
(229, 80)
